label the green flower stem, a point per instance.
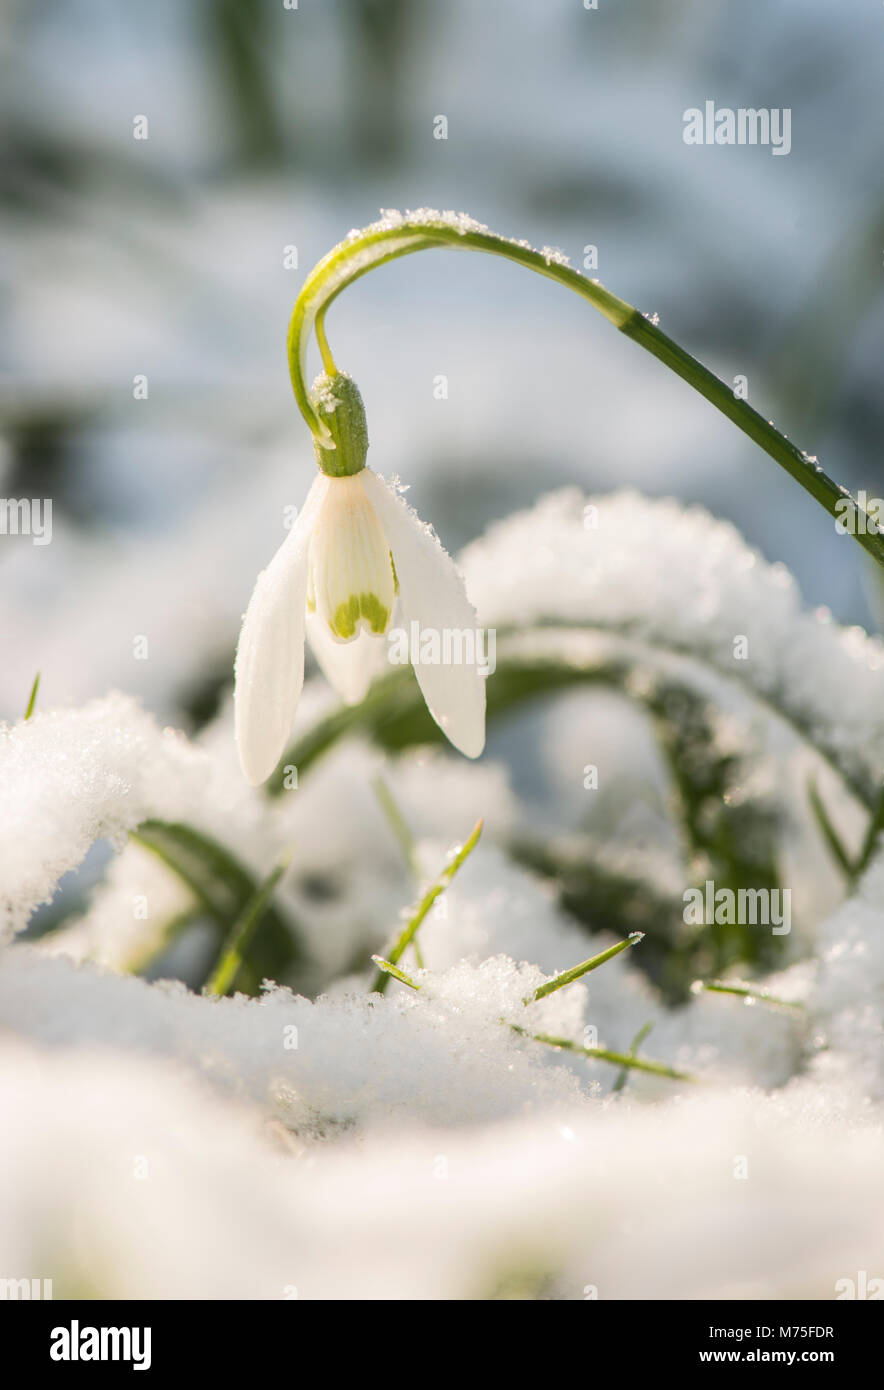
(325, 351)
(394, 237)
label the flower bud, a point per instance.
(338, 404)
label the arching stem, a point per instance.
(325, 351)
(396, 236)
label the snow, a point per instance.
(323, 1139)
(566, 1206)
(679, 580)
(358, 1059)
(71, 777)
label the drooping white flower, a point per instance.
(355, 551)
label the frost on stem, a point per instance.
(338, 404)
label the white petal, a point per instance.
(270, 655)
(351, 577)
(349, 667)
(432, 593)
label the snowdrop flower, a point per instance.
(355, 550)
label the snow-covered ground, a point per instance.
(158, 1143)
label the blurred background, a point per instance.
(172, 171)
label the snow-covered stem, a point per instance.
(396, 235)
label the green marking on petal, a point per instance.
(359, 607)
(346, 616)
(374, 612)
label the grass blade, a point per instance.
(33, 696)
(397, 824)
(437, 887)
(875, 826)
(748, 992)
(829, 833)
(633, 1050)
(223, 977)
(603, 1054)
(389, 968)
(567, 977)
(224, 888)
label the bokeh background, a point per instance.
(271, 128)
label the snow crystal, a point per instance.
(553, 256)
(401, 232)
